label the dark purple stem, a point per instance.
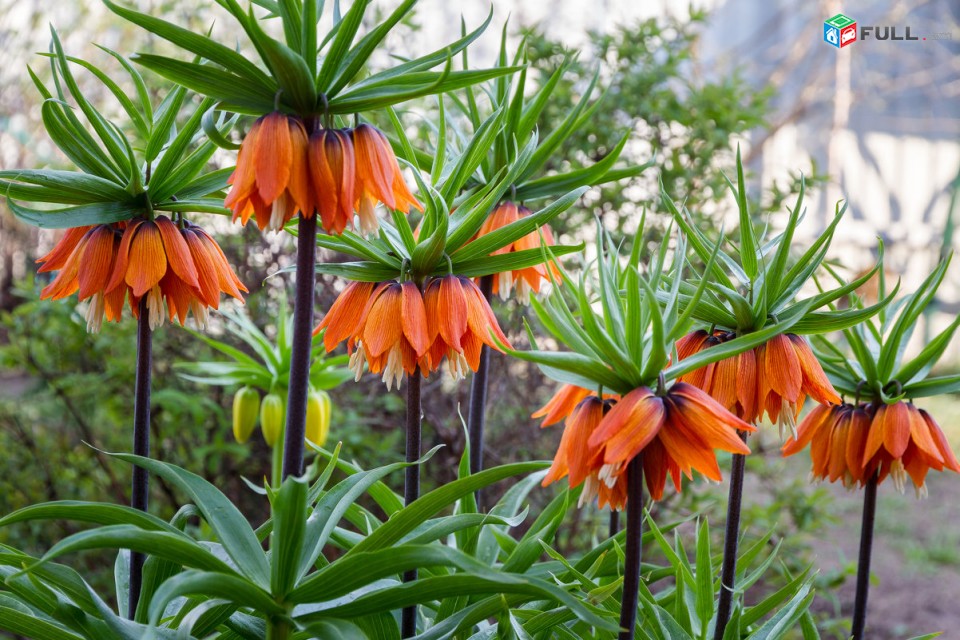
(139, 494)
(302, 342)
(866, 551)
(728, 571)
(634, 534)
(411, 486)
(478, 399)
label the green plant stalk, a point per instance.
(278, 629)
(478, 398)
(276, 462)
(863, 564)
(728, 570)
(411, 485)
(140, 487)
(296, 423)
(631, 569)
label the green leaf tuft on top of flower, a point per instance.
(307, 73)
(128, 237)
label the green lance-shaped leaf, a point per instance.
(225, 520)
(212, 584)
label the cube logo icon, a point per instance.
(840, 30)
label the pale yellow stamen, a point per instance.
(368, 219)
(356, 362)
(523, 291)
(457, 365)
(505, 284)
(95, 313)
(155, 307)
(278, 212)
(200, 313)
(393, 371)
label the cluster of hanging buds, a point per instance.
(180, 264)
(853, 443)
(395, 328)
(283, 170)
(529, 279)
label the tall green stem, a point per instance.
(302, 343)
(140, 489)
(278, 630)
(411, 486)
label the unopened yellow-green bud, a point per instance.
(271, 417)
(246, 406)
(318, 417)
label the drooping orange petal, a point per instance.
(582, 459)
(561, 404)
(815, 381)
(713, 423)
(123, 255)
(97, 260)
(243, 179)
(177, 251)
(689, 451)
(113, 304)
(895, 421)
(723, 384)
(810, 427)
(148, 262)
(946, 453)
(629, 426)
(747, 386)
(384, 325)
(298, 186)
(273, 156)
(343, 318)
(573, 455)
(857, 442)
(480, 316)
(782, 368)
(874, 441)
(374, 173)
(837, 462)
(57, 258)
(414, 318)
(208, 283)
(656, 464)
(451, 319)
(921, 436)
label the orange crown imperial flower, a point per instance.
(85, 258)
(378, 177)
(577, 460)
(775, 377)
(395, 329)
(460, 322)
(183, 266)
(281, 172)
(676, 432)
(529, 279)
(271, 181)
(156, 258)
(385, 323)
(563, 402)
(332, 172)
(855, 443)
